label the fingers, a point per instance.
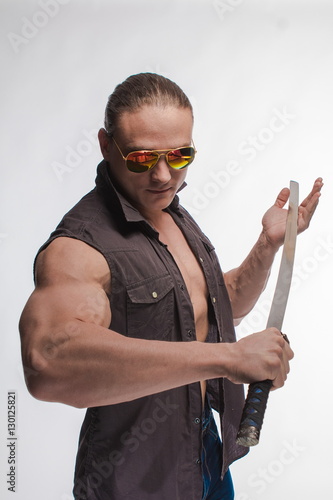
(284, 354)
(283, 195)
(314, 194)
(309, 204)
(317, 185)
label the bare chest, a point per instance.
(192, 274)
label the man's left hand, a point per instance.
(274, 220)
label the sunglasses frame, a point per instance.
(160, 152)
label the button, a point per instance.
(154, 294)
(214, 300)
(189, 333)
(201, 259)
(197, 420)
(198, 461)
(182, 287)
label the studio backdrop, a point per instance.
(259, 74)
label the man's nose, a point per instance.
(161, 171)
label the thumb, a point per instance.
(282, 198)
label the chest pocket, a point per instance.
(150, 308)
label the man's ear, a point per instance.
(104, 143)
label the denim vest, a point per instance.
(150, 448)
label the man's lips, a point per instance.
(159, 191)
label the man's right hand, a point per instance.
(260, 356)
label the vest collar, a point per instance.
(116, 200)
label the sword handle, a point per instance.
(253, 413)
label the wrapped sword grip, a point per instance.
(253, 413)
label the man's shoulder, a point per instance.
(65, 256)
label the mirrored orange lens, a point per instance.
(141, 161)
(180, 158)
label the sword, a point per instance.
(257, 396)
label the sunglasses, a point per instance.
(141, 161)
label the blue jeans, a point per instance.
(213, 488)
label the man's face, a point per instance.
(154, 128)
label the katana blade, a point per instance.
(280, 298)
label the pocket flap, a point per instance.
(150, 290)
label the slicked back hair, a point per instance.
(140, 90)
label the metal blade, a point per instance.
(279, 303)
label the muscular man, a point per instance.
(133, 318)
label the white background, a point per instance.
(241, 63)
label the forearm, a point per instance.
(96, 367)
(246, 282)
